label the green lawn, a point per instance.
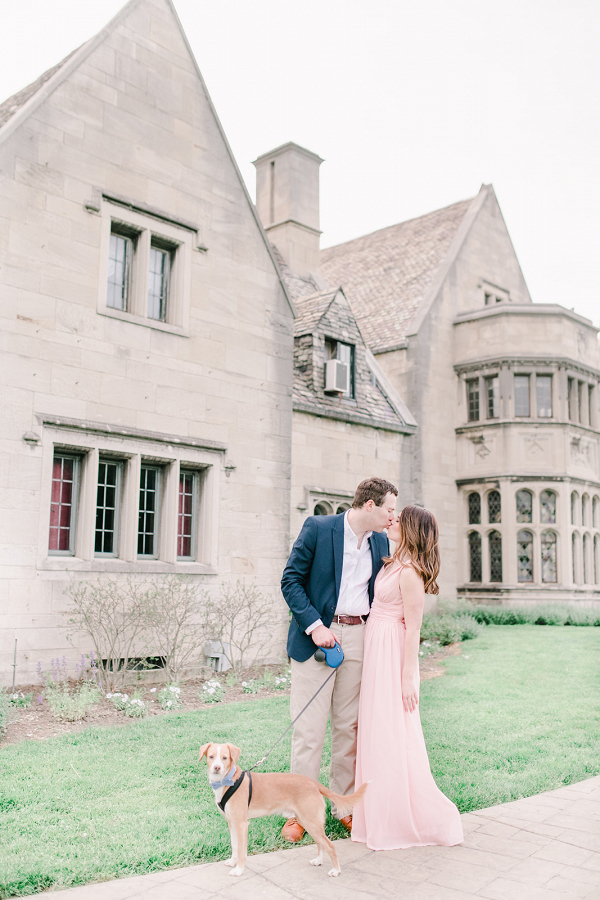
(518, 713)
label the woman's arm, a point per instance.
(413, 597)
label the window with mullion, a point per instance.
(107, 508)
(119, 271)
(158, 283)
(61, 538)
(148, 512)
(492, 390)
(186, 515)
(473, 399)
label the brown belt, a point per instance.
(350, 620)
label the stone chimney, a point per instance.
(287, 200)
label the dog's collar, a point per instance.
(228, 781)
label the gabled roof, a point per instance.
(311, 309)
(13, 104)
(386, 274)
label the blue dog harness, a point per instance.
(232, 787)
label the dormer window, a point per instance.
(345, 354)
(493, 294)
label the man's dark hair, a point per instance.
(374, 489)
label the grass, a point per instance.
(518, 713)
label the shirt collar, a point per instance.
(349, 534)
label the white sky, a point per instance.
(412, 103)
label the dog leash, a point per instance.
(291, 725)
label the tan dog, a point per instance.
(273, 793)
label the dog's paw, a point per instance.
(333, 873)
(317, 861)
(236, 872)
(230, 862)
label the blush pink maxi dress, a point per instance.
(403, 806)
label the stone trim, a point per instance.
(524, 309)
(542, 362)
(353, 418)
(126, 431)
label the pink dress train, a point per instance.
(403, 806)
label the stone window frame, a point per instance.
(334, 499)
(485, 529)
(584, 554)
(60, 454)
(133, 452)
(327, 342)
(147, 231)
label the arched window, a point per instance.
(494, 507)
(323, 508)
(548, 546)
(548, 508)
(585, 510)
(525, 556)
(574, 499)
(574, 555)
(474, 556)
(596, 559)
(343, 507)
(586, 559)
(495, 544)
(595, 510)
(524, 506)
(474, 508)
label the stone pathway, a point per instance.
(545, 847)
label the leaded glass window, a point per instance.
(148, 512)
(596, 561)
(107, 508)
(544, 395)
(473, 399)
(62, 505)
(571, 397)
(494, 507)
(591, 417)
(158, 283)
(548, 548)
(524, 556)
(522, 395)
(574, 499)
(474, 508)
(574, 554)
(586, 559)
(186, 515)
(474, 556)
(548, 508)
(595, 511)
(585, 509)
(495, 544)
(492, 392)
(524, 506)
(119, 271)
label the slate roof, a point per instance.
(386, 274)
(311, 309)
(10, 106)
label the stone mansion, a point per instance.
(185, 376)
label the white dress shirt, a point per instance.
(357, 568)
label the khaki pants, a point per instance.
(338, 700)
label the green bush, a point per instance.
(535, 615)
(70, 705)
(444, 629)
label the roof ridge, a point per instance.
(24, 93)
(361, 237)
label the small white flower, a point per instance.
(169, 703)
(108, 696)
(466, 657)
(420, 653)
(211, 691)
(152, 690)
(244, 683)
(284, 679)
(85, 834)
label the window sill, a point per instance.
(124, 566)
(143, 320)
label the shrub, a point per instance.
(177, 623)
(212, 692)
(131, 706)
(21, 700)
(241, 618)
(535, 615)
(468, 626)
(4, 709)
(444, 629)
(169, 697)
(70, 703)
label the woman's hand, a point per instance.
(410, 696)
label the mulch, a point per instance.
(36, 723)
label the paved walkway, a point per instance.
(546, 847)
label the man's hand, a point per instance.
(323, 637)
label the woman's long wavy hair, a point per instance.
(419, 536)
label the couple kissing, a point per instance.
(342, 584)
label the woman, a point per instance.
(403, 806)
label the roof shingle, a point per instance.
(386, 274)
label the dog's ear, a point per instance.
(234, 752)
(203, 750)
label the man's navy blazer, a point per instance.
(313, 574)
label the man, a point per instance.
(328, 585)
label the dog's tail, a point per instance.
(344, 805)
